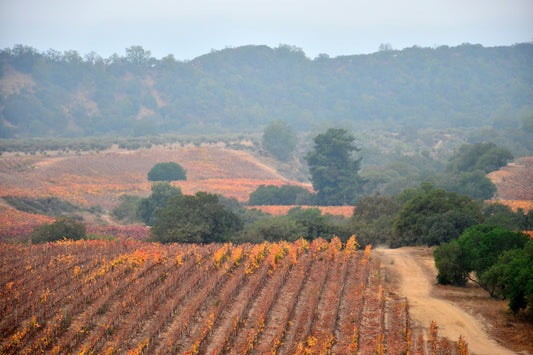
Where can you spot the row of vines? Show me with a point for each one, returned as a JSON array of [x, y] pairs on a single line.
[[130, 297]]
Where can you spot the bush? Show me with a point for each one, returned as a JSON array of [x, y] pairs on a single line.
[[477, 250], [512, 277], [58, 230], [273, 230], [126, 211], [285, 195], [167, 172], [147, 207], [195, 219]]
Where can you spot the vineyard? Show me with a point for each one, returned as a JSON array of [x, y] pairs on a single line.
[[133, 297], [514, 181]]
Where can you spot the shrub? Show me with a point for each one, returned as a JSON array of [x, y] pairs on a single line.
[[167, 172], [199, 218], [58, 230]]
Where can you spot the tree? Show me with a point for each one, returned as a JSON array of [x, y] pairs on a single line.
[[333, 168], [372, 219], [126, 211], [476, 250], [433, 216], [61, 228], [170, 171], [198, 218], [279, 139], [314, 223], [512, 277], [284, 195], [484, 156], [481, 246], [137, 55], [449, 262], [147, 207], [274, 229]]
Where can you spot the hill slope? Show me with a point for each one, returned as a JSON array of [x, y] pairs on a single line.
[[100, 178], [241, 89]]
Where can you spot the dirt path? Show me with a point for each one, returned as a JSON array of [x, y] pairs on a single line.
[[417, 274]]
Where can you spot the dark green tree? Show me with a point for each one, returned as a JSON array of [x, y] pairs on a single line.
[[62, 228], [512, 277], [476, 250], [481, 246], [198, 218], [279, 139], [147, 207], [334, 169], [284, 195], [170, 171], [273, 230], [314, 223], [484, 156], [433, 216], [372, 220], [449, 262], [503, 216]]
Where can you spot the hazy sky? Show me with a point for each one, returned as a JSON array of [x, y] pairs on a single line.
[[189, 28]]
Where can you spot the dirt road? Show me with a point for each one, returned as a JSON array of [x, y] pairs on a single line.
[[417, 273]]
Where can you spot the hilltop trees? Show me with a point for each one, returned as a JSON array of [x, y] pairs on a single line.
[[334, 169]]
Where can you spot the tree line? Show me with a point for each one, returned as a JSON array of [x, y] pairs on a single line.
[[242, 89]]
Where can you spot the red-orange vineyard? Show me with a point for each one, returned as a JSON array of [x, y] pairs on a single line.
[[131, 297]]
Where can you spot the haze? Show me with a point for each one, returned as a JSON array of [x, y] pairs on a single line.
[[188, 29]]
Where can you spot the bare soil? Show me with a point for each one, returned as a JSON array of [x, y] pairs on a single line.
[[468, 311]]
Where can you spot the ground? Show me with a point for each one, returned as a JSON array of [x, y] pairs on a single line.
[[468, 311]]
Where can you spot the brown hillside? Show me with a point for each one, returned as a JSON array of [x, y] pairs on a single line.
[[514, 181], [100, 178]]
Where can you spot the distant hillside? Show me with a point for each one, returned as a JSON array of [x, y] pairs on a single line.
[[100, 178], [242, 89], [514, 181]]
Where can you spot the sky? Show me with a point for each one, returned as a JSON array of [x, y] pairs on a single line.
[[190, 28]]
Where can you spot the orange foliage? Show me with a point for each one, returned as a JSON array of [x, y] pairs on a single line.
[[526, 205], [11, 218]]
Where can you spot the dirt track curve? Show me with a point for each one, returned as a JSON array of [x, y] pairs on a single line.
[[417, 274]]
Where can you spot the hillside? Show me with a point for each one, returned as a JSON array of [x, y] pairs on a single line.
[[241, 89], [100, 178], [515, 181]]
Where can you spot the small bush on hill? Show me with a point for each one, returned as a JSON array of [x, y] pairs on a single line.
[[284, 195], [126, 211], [58, 230], [170, 171], [49, 206]]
